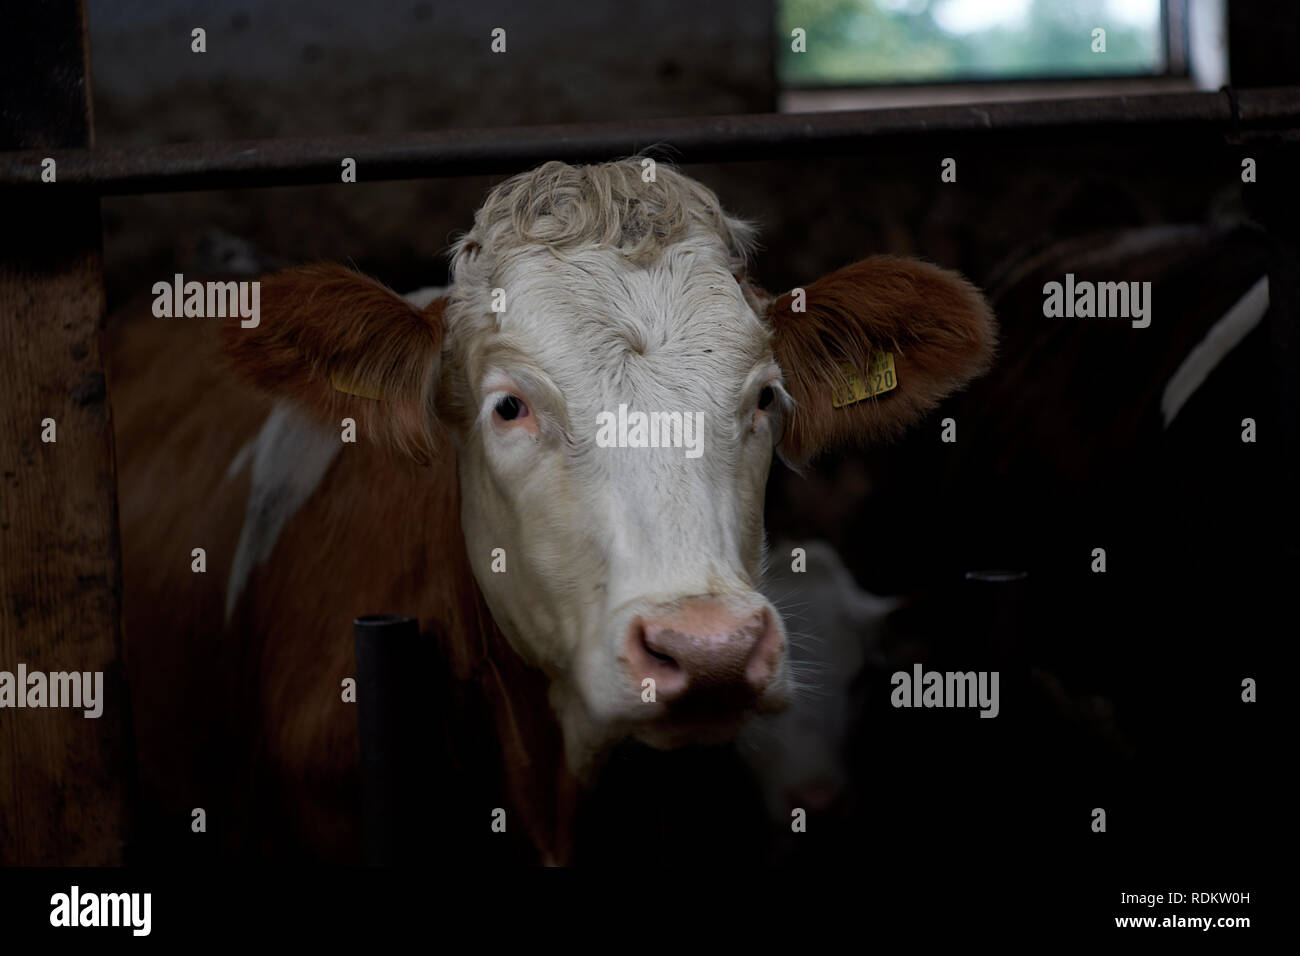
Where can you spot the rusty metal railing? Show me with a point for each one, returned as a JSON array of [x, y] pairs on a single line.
[[1272, 112]]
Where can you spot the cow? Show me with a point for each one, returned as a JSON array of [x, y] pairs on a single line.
[[590, 591], [835, 630]]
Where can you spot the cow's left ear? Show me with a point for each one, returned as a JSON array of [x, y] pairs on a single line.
[[342, 345], [876, 345]]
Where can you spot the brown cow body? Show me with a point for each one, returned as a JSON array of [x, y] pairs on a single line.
[[354, 553]]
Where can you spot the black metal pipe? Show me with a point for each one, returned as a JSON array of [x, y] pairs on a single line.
[[391, 666], [995, 607], [456, 152]]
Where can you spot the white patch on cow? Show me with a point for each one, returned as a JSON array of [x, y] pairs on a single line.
[[1224, 336], [241, 459], [422, 297], [289, 457]]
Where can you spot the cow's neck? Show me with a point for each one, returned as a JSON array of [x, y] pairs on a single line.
[[540, 787]]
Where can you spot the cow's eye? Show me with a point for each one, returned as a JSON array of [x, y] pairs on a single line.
[[765, 397], [510, 408]]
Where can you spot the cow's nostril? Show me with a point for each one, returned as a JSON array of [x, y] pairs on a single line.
[[664, 659], [657, 643], [647, 658]]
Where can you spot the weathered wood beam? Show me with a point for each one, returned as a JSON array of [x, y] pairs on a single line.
[[64, 777]]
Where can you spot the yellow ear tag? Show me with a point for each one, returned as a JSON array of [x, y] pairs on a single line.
[[880, 378], [342, 384]]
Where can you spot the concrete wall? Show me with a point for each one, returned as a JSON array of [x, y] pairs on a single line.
[[310, 68]]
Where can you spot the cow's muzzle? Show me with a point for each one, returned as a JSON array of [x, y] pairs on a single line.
[[708, 661]]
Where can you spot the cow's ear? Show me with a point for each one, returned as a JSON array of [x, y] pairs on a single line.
[[345, 346], [870, 348]]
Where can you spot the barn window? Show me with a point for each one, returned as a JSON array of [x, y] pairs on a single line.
[[863, 53]]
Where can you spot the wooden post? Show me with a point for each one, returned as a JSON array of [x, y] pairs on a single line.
[[64, 777]]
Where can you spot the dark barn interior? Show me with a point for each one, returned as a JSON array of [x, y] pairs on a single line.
[[1121, 690]]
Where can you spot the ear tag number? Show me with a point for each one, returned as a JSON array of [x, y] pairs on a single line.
[[880, 378]]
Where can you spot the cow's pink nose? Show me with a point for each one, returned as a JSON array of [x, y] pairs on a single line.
[[700, 646]]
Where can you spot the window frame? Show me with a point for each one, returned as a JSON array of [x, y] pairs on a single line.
[[1175, 57]]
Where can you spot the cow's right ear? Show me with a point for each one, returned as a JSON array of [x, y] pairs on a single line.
[[872, 347], [345, 346]]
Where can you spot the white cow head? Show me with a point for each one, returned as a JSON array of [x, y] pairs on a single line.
[[583, 299]]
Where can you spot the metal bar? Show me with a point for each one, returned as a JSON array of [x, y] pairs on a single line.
[[996, 601], [393, 668], [457, 152]]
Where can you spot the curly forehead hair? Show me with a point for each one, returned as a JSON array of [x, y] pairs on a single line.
[[563, 207]]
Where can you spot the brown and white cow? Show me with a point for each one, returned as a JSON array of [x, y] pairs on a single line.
[[560, 573]]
